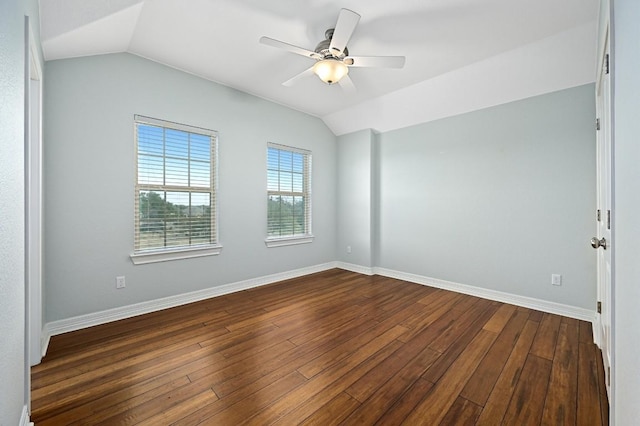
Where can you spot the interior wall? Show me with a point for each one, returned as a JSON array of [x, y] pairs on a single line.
[[355, 190], [499, 198], [89, 182], [626, 211], [14, 386], [12, 291]]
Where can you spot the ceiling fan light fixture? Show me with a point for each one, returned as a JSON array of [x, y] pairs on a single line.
[[330, 70]]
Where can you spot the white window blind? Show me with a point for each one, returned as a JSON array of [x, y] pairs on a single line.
[[288, 192], [175, 203]]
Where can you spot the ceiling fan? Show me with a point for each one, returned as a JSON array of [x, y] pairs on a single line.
[[332, 56]]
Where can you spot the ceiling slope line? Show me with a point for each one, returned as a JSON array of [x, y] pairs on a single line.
[[554, 63], [89, 38]]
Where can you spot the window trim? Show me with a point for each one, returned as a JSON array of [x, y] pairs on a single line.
[[162, 254], [308, 237], [288, 241]]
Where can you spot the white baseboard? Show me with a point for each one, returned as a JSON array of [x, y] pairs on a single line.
[[24, 417], [102, 317], [115, 314], [365, 270], [498, 296], [45, 337]]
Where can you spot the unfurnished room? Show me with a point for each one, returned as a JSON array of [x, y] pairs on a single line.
[[221, 212]]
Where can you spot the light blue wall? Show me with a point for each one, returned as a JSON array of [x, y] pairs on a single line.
[[89, 176], [14, 383], [499, 198], [626, 208], [12, 304], [355, 192]]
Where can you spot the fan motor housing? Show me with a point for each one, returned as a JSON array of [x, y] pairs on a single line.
[[323, 47]]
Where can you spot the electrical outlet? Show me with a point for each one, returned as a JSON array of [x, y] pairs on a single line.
[[120, 283], [348, 249], [556, 279]]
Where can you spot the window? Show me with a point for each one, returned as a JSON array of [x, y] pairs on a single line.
[[175, 199], [288, 196]]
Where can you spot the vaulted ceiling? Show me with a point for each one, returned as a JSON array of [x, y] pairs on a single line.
[[460, 54]]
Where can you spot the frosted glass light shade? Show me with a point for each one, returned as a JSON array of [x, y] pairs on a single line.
[[330, 70]]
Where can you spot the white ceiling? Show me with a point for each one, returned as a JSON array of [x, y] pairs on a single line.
[[460, 54]]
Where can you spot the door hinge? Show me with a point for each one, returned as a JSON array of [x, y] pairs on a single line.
[[597, 124], [599, 307], [606, 63], [598, 215], [608, 219]]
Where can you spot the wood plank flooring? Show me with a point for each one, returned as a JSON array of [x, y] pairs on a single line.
[[330, 348]]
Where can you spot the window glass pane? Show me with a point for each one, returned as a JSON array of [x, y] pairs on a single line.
[[200, 174], [150, 140], [200, 147], [200, 204], [286, 181], [286, 215], [286, 159], [151, 219], [298, 162], [176, 218], [200, 230], [177, 206], [150, 170], [272, 158], [297, 182], [272, 180], [176, 172], [298, 215], [151, 206], [273, 222], [176, 143]]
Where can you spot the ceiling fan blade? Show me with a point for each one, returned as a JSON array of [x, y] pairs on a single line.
[[347, 84], [375, 61], [290, 47], [306, 73], [347, 21]]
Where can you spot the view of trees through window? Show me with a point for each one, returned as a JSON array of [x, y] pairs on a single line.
[[288, 189], [286, 215], [171, 224], [175, 189]]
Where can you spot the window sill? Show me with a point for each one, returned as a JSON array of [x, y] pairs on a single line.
[[174, 254], [288, 241]]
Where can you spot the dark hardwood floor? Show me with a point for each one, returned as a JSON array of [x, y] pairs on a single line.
[[330, 348]]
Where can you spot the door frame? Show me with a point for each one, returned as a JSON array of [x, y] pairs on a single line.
[[33, 198]]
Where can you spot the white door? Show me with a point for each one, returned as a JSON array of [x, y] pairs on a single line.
[[602, 241]]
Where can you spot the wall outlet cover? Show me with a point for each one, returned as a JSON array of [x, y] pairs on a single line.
[[120, 282]]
